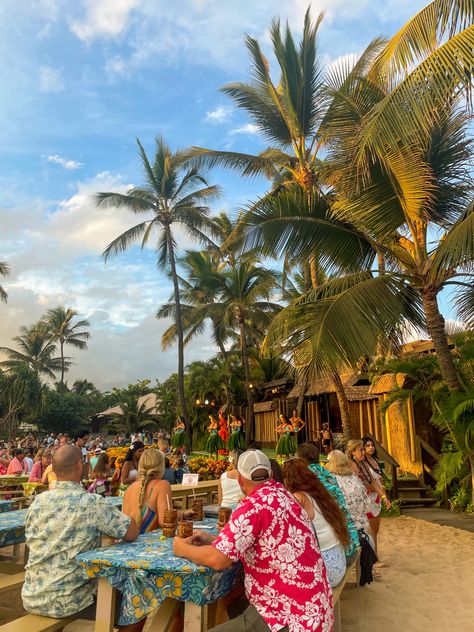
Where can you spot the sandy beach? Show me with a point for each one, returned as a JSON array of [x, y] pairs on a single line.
[[426, 586]]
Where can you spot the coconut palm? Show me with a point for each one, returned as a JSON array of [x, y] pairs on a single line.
[[395, 199], [59, 322], [135, 414], [171, 198], [4, 271], [37, 350]]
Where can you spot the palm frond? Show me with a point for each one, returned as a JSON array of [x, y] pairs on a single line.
[[420, 101], [456, 249], [246, 165], [421, 35], [137, 203], [123, 241]]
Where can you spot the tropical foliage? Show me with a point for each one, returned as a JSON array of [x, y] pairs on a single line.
[[171, 198]]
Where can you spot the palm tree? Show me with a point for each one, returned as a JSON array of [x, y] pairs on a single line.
[[245, 304], [36, 350], [4, 271], [135, 415], [398, 164], [171, 198], [84, 387], [58, 321]]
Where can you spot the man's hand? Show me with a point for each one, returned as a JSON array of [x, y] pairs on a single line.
[[201, 538]]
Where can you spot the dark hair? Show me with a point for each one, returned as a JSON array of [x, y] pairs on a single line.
[[254, 445], [167, 462], [277, 471], [299, 478], [19, 451], [136, 445], [365, 440], [81, 434], [309, 452]]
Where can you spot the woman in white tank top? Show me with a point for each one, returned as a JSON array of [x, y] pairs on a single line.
[[229, 493], [328, 521]]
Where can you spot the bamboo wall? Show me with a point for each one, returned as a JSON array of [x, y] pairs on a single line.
[[400, 438], [265, 423]]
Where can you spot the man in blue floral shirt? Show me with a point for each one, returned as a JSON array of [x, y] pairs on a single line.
[[310, 453], [60, 524]]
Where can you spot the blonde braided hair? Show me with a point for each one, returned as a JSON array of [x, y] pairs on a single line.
[[151, 462]]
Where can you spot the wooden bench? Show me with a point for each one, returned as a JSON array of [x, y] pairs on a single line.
[[337, 591], [8, 582], [207, 490], [35, 623]]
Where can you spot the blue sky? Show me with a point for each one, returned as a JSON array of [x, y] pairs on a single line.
[[80, 80]]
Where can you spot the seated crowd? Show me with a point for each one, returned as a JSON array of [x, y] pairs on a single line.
[[294, 529]]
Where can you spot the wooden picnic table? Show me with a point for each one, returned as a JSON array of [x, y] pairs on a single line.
[[12, 485], [150, 576]]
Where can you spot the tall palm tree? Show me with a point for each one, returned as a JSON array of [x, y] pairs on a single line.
[[36, 350], [397, 162], [172, 199], [59, 322], [4, 270], [246, 304], [134, 415]]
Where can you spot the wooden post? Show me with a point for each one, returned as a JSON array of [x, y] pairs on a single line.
[[378, 435], [369, 415], [361, 418], [387, 428], [411, 428], [318, 419], [106, 596]]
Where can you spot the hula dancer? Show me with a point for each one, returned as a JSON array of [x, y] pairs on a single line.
[[179, 438], [214, 442], [297, 423], [236, 439], [223, 428], [286, 445]]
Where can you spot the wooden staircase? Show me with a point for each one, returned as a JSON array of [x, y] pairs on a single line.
[[414, 493]]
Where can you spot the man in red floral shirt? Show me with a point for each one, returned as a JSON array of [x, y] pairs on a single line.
[[285, 577]]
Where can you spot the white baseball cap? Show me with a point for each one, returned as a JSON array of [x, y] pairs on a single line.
[[253, 461]]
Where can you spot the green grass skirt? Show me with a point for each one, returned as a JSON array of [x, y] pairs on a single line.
[[286, 445], [214, 443], [179, 440], [236, 441]]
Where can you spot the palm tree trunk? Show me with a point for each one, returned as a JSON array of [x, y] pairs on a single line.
[[227, 371], [62, 361], [471, 462], [249, 430], [437, 333], [343, 407], [179, 330], [314, 269]]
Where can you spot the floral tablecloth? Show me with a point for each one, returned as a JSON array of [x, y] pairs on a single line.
[[6, 505], [12, 527], [146, 572]]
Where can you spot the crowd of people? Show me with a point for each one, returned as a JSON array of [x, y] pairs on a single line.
[[294, 527]]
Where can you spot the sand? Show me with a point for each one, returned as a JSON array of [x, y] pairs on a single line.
[[428, 585]]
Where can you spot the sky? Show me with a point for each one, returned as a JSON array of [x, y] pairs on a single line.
[[80, 80]]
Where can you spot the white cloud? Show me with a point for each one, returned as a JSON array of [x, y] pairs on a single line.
[[103, 18], [220, 114], [248, 128], [116, 66], [50, 79], [64, 162]]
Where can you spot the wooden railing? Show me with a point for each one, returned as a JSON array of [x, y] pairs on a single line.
[[387, 458], [428, 458], [207, 490]]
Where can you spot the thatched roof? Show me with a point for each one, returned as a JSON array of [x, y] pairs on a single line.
[[149, 400], [326, 385], [386, 383], [263, 407]]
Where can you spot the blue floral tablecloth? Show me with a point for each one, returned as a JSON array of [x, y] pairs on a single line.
[[147, 571], [12, 527], [6, 505]]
